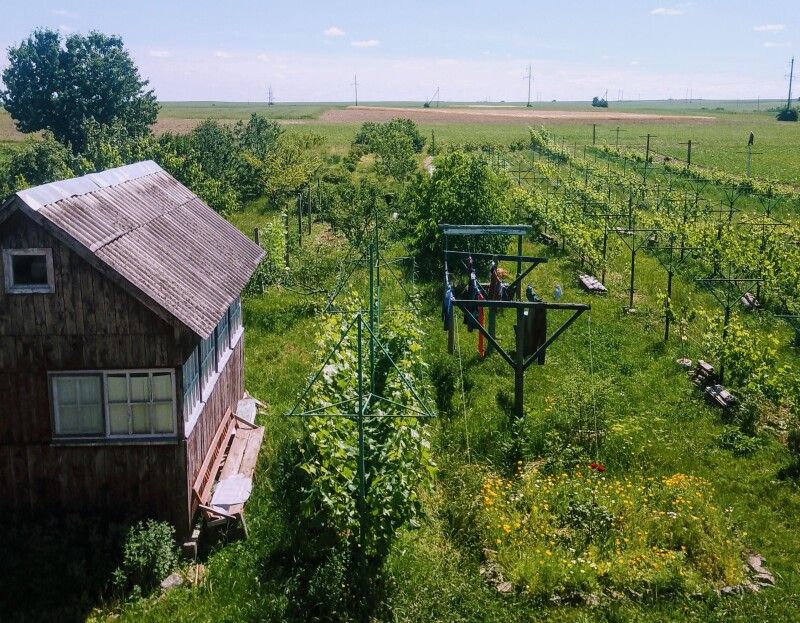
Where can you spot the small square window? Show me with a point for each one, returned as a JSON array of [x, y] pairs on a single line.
[[28, 271]]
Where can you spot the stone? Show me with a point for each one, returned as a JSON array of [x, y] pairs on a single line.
[[764, 579], [504, 587], [171, 581], [756, 563]]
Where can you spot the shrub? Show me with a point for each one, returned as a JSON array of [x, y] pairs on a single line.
[[40, 162], [787, 114], [369, 133], [149, 554], [738, 442]]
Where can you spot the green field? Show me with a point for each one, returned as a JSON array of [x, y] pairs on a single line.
[[721, 144]]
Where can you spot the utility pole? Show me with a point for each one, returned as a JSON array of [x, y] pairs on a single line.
[[529, 76], [270, 101], [355, 86], [791, 75]]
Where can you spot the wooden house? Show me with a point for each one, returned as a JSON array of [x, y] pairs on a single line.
[[121, 351]]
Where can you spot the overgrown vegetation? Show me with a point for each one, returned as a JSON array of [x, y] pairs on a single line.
[[587, 534]]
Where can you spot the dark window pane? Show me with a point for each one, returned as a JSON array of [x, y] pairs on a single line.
[[29, 270]]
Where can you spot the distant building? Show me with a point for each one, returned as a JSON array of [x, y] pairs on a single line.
[[121, 349]]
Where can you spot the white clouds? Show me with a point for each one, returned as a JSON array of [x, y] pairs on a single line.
[[666, 11], [776, 44], [770, 28], [333, 31], [159, 53], [222, 54], [366, 43], [63, 13]]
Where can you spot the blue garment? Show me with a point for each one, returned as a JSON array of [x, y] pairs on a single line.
[[447, 307], [472, 294]]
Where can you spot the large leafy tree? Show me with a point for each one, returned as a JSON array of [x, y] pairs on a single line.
[[59, 86]]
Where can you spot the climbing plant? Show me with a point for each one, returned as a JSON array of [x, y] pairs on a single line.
[[398, 460]]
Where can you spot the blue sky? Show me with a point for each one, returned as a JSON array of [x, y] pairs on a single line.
[[309, 51]]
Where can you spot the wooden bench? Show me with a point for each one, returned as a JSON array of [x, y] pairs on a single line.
[[591, 284], [225, 480]]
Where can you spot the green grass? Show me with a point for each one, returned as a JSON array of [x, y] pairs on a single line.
[[657, 425]]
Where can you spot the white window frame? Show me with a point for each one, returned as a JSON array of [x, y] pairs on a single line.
[[8, 271], [224, 346], [54, 404], [197, 392], [235, 327], [207, 386], [150, 402], [106, 436]]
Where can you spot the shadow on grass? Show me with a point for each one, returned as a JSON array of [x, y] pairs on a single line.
[[57, 569]]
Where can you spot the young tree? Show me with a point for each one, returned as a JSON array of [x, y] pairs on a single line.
[[462, 190], [59, 86]]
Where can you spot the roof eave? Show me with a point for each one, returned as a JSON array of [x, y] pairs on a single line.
[[8, 208]]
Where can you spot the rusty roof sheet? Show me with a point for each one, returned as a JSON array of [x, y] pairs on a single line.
[[156, 235]]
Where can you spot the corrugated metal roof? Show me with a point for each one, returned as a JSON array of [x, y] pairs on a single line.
[[157, 235]]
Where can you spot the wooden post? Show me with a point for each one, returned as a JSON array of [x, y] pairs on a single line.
[[492, 329], [286, 238], [519, 266], [519, 361], [300, 218], [669, 302], [451, 330], [257, 236]]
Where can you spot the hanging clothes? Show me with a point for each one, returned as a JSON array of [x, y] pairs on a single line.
[[495, 285], [447, 307], [481, 345], [535, 331], [498, 289], [472, 293], [535, 326]]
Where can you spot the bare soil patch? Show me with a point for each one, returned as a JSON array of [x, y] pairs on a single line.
[[499, 114]]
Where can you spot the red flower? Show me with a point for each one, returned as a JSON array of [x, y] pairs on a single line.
[[598, 466]]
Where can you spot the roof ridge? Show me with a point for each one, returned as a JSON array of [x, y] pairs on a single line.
[[39, 196]]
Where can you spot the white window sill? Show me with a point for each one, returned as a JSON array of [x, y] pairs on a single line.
[[212, 383], [132, 440]]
